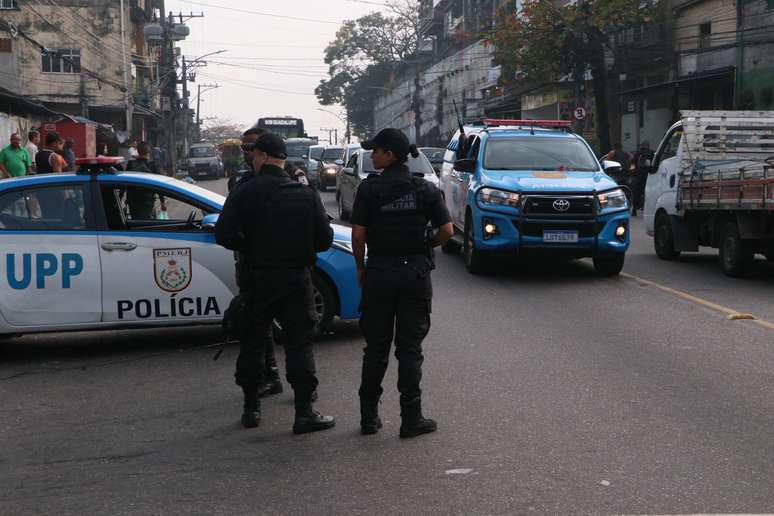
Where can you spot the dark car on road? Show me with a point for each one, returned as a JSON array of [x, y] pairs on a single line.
[[332, 158]]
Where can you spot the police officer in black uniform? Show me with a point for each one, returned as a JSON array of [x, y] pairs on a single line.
[[391, 215], [278, 225], [273, 384]]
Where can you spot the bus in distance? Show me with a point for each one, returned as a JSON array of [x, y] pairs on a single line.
[[287, 127]]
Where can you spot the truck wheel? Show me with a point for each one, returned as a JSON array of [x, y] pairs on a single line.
[[609, 265], [664, 241], [735, 255], [473, 258]]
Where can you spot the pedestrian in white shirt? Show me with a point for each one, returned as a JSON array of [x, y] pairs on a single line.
[[33, 139]]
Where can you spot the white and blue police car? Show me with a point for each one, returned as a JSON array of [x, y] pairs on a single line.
[[72, 257]]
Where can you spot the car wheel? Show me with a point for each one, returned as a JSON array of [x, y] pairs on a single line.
[[663, 240], [324, 302], [609, 265], [324, 305], [473, 258], [343, 213], [735, 255]]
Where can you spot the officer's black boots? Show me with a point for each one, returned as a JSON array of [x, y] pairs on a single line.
[[274, 385], [413, 424], [307, 420], [251, 417], [370, 422]]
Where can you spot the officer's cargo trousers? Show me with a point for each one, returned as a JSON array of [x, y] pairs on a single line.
[[287, 296], [396, 304]]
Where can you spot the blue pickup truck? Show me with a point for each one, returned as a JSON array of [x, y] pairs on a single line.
[[532, 187]]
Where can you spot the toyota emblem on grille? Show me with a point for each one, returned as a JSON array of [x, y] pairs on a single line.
[[561, 205]]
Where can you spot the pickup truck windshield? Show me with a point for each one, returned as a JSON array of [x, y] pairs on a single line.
[[333, 154], [202, 152], [536, 153]]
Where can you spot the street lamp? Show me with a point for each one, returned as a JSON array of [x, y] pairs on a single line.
[[345, 122]]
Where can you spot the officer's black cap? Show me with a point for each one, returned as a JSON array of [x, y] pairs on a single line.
[[390, 140], [273, 145]]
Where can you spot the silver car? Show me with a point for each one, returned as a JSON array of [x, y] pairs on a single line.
[[360, 167]]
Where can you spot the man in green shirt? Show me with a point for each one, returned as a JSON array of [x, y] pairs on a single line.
[[14, 160]]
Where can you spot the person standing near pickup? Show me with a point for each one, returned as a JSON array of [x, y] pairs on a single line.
[[390, 214]]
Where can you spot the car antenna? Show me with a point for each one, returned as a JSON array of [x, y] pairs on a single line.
[[461, 146]]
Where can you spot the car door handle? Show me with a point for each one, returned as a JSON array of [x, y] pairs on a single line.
[[119, 246]]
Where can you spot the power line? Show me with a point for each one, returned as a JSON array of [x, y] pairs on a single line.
[[257, 13]]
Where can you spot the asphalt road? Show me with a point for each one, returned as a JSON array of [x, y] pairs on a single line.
[[556, 392]]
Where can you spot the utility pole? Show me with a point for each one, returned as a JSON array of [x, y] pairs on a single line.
[[349, 134], [416, 105], [199, 101], [330, 135], [127, 92]]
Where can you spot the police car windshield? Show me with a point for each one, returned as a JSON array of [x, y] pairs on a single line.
[[202, 152], [418, 165], [333, 154], [536, 153]]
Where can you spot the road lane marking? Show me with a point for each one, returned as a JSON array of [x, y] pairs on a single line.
[[730, 313]]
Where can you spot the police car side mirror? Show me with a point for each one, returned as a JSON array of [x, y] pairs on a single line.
[[305, 156], [339, 162], [209, 221], [350, 171], [465, 165]]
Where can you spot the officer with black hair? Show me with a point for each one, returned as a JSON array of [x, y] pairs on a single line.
[[391, 215], [273, 384], [278, 225]]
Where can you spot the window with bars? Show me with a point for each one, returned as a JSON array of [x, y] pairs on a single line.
[[61, 60], [9, 4]]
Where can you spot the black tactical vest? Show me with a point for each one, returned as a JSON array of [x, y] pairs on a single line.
[[397, 214], [285, 233]]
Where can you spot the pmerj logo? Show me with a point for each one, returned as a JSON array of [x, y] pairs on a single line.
[[172, 269], [561, 205]]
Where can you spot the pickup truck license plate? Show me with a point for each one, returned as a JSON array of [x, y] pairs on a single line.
[[561, 237]]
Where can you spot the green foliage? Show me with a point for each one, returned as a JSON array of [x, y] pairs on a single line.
[[545, 41], [360, 58]]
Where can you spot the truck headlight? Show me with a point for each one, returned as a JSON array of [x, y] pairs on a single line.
[[499, 197], [612, 199]]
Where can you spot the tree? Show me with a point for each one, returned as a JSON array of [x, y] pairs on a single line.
[[545, 42], [361, 57], [220, 129]]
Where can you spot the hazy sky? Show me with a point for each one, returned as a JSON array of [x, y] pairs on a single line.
[[271, 64]]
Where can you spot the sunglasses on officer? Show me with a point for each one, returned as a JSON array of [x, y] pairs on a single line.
[[248, 147]]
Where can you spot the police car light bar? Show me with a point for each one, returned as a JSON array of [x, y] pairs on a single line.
[[494, 122], [98, 164]]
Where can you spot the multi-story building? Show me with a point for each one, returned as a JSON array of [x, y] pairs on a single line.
[[86, 58]]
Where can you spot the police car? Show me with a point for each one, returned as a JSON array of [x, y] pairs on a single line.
[[533, 186], [74, 258]]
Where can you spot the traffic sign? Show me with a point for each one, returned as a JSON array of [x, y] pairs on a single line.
[[580, 113]]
